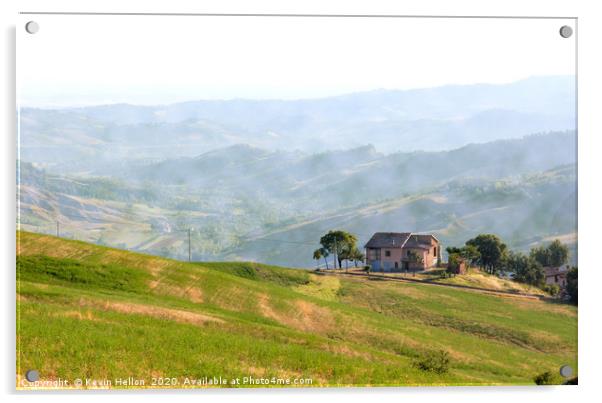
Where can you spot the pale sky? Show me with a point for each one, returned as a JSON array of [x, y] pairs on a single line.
[[86, 60]]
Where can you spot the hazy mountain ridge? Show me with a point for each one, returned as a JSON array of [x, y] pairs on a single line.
[[360, 173], [523, 211], [240, 198], [430, 119]]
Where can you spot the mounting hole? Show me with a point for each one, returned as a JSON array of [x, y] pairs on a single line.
[[32, 375], [566, 371], [32, 27], [566, 31]]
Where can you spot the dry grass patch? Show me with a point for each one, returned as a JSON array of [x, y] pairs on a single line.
[[348, 351], [538, 305], [176, 315], [323, 287], [230, 298], [85, 315], [476, 278], [300, 315], [192, 293]]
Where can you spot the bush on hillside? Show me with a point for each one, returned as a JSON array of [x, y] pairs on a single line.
[[434, 361], [548, 378], [552, 289]]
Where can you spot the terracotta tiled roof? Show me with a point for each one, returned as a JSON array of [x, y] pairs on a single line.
[[388, 240], [554, 271], [419, 242]]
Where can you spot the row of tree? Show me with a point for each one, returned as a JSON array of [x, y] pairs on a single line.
[[342, 245], [492, 255]]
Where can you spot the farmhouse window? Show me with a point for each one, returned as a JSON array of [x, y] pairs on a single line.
[[387, 253]]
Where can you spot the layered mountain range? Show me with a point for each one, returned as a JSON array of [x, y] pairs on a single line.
[[263, 179]]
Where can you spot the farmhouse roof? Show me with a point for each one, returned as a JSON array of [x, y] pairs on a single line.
[[554, 271], [388, 240], [419, 241]]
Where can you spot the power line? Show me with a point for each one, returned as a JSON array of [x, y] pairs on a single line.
[[282, 241]]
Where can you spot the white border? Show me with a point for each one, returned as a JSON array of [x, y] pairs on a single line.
[[590, 152]]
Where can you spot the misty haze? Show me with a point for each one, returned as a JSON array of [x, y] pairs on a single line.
[[262, 180]]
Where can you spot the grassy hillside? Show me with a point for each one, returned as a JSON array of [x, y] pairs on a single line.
[[474, 278], [90, 311]]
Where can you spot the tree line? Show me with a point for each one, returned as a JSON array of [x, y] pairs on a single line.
[[342, 245], [492, 255]]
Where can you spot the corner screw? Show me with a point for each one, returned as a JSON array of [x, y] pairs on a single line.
[[566, 31]]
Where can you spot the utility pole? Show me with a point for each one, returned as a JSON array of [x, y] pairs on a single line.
[[57, 228], [335, 252], [189, 247]]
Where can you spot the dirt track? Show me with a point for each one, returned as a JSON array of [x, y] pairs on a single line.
[[384, 277]]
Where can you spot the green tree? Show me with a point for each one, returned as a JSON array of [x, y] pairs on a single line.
[[351, 252], [541, 254], [469, 253], [453, 261], [453, 250], [554, 255], [491, 251], [559, 253], [317, 256], [339, 243], [571, 284], [525, 268], [321, 253], [357, 256]]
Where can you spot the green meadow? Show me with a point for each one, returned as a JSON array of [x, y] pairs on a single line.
[[87, 311]]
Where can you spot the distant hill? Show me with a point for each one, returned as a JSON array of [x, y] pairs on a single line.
[[431, 119], [113, 312], [524, 211], [249, 203]]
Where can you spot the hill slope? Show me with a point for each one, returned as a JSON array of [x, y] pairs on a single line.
[[91, 311], [240, 199], [524, 211]]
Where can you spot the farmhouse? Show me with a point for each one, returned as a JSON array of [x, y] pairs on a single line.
[[402, 251], [556, 275]]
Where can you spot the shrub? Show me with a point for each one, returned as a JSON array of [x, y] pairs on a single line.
[[434, 361], [552, 289], [548, 378], [571, 286]]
